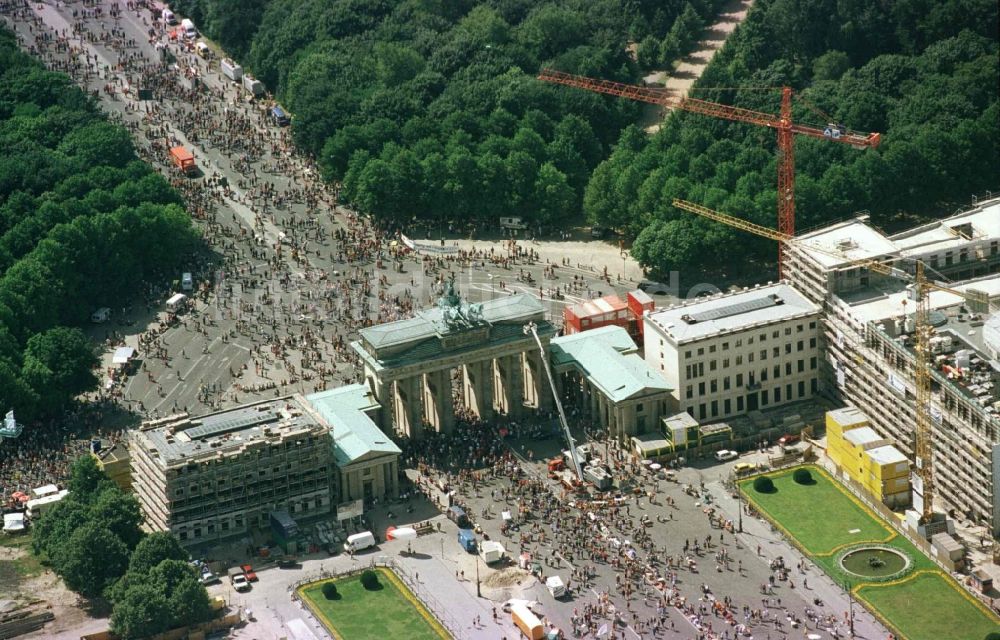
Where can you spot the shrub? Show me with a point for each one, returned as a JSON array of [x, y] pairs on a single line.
[[369, 580], [802, 476], [329, 590], [763, 484], [993, 635]]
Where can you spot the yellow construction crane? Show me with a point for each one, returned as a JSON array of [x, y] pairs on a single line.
[[923, 329]]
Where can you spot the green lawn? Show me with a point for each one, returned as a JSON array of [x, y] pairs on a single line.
[[928, 608], [833, 519], [359, 614], [823, 517]]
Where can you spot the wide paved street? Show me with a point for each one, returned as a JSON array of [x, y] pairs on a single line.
[[289, 279]]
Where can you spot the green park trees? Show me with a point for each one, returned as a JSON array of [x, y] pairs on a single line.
[[921, 73], [431, 110], [93, 541], [88, 536], [82, 222]]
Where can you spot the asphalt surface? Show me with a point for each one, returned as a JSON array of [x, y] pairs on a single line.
[[278, 269], [299, 293]]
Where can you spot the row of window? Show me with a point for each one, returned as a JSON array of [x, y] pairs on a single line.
[[713, 386], [697, 370], [752, 401], [799, 328], [183, 532], [963, 255], [249, 479]]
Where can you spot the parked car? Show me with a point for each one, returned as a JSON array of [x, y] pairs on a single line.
[[741, 468], [239, 579], [249, 572], [726, 454], [654, 288], [288, 562], [788, 439]]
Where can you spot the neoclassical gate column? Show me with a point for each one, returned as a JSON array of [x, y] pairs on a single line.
[[406, 407], [477, 388], [438, 408]]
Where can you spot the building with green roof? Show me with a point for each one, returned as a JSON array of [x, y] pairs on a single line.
[[366, 459], [609, 382]]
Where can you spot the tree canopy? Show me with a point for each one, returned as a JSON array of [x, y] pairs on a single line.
[[921, 73], [82, 222], [430, 110], [92, 539]]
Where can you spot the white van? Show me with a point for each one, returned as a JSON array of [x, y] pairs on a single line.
[[169, 17], [189, 30], [101, 315], [359, 541], [556, 586], [176, 302], [187, 281]]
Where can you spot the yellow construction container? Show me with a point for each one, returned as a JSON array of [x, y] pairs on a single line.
[[867, 458]]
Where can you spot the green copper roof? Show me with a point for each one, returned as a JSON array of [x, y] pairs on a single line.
[[355, 435], [450, 316], [610, 360], [451, 329]]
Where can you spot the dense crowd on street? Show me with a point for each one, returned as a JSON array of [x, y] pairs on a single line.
[[290, 275], [656, 590]]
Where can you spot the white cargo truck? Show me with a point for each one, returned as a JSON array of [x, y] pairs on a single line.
[[231, 70], [253, 85]]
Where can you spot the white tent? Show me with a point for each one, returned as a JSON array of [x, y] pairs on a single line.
[[13, 522], [44, 490], [122, 355]]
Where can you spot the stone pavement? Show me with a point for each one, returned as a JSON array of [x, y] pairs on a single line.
[[759, 532], [425, 571]]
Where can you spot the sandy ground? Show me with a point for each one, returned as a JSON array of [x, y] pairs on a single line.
[[47, 591], [691, 67], [584, 255]]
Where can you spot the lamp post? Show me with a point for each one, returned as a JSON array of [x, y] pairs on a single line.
[[479, 592], [739, 502]]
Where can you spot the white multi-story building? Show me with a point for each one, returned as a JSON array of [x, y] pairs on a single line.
[[212, 477], [729, 354], [868, 326]]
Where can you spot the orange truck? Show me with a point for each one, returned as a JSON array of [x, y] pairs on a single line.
[[183, 160], [527, 622]]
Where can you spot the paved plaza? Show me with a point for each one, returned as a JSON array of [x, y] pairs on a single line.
[[292, 278]]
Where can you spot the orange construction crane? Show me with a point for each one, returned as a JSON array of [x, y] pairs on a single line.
[[781, 123]]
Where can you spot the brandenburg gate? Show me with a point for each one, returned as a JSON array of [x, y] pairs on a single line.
[[474, 355]]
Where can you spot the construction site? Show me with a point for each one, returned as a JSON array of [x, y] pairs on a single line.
[[910, 334]]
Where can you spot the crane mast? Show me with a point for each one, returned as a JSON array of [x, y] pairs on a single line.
[[923, 429], [782, 123], [922, 383]]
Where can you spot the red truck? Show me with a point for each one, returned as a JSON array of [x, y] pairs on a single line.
[[183, 160]]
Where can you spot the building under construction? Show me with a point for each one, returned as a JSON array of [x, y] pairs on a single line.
[[869, 335]]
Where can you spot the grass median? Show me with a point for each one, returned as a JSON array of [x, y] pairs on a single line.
[[390, 611]]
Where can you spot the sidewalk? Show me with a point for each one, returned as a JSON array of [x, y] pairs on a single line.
[[758, 532]]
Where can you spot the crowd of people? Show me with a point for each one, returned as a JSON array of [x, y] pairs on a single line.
[[623, 572], [290, 275]]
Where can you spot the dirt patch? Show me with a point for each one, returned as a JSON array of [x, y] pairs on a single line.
[[504, 578], [26, 582]]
